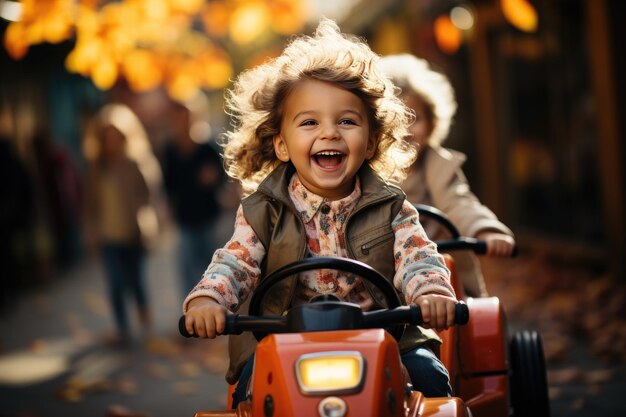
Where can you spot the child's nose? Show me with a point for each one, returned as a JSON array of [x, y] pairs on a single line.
[[329, 131]]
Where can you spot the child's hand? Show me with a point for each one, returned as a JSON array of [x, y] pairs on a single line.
[[498, 244], [437, 310], [205, 317]]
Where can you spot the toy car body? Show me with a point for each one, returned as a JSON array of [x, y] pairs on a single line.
[[329, 359]]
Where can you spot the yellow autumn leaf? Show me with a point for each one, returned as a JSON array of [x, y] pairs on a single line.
[[155, 11], [248, 21], [104, 72], [113, 14], [89, 3], [186, 6], [87, 21], [142, 70], [182, 83], [56, 27], [29, 10], [15, 40], [216, 18], [34, 32], [84, 55], [119, 41], [288, 16], [521, 14], [215, 70], [447, 35]]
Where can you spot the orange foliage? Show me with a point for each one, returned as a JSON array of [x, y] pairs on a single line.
[[248, 21], [15, 41], [521, 14], [447, 35], [143, 70], [151, 43], [216, 17], [287, 16], [41, 21]]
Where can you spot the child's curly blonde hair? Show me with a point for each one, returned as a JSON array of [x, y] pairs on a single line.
[[256, 103], [414, 75]]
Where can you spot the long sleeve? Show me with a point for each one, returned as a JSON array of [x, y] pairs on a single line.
[[234, 270], [420, 269], [450, 192]]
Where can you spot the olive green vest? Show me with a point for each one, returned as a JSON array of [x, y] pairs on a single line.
[[276, 222]]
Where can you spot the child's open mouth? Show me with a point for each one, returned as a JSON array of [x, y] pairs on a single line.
[[329, 159]]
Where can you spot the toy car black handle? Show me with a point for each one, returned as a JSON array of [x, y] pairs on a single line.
[[456, 242], [467, 243], [236, 324]]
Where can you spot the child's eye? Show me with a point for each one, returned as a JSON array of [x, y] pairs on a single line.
[[347, 122], [308, 123]]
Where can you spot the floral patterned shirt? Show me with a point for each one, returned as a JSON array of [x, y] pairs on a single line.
[[235, 269]]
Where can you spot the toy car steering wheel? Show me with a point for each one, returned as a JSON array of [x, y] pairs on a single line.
[[456, 241], [361, 269], [438, 216]]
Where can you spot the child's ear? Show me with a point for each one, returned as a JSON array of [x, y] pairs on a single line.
[[280, 148], [372, 145]]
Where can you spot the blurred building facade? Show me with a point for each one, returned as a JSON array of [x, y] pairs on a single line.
[[540, 115], [541, 110]]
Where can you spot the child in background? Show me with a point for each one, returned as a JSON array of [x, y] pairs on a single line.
[[318, 134], [117, 195], [436, 177]]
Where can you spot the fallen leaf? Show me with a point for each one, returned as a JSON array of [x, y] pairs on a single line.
[[554, 393], [578, 404], [221, 399], [186, 388], [216, 364], [594, 389], [127, 385], [599, 376], [189, 369], [121, 411], [555, 349], [562, 303], [564, 376], [158, 371], [162, 347], [38, 346], [70, 395]]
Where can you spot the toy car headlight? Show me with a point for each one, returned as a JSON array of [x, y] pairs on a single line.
[[330, 372]]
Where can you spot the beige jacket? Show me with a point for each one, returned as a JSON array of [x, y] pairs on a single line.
[[114, 196], [437, 180]]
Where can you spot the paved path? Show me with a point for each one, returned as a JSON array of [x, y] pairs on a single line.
[[555, 301], [53, 363]]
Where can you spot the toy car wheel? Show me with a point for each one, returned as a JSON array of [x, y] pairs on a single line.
[[529, 385]]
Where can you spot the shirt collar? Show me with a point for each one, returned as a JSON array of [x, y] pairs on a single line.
[[308, 203]]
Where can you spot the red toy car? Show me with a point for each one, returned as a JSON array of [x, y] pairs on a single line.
[[494, 374], [330, 359]]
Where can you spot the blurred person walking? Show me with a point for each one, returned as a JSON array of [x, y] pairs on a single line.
[[193, 176], [17, 213], [118, 214], [61, 190]]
